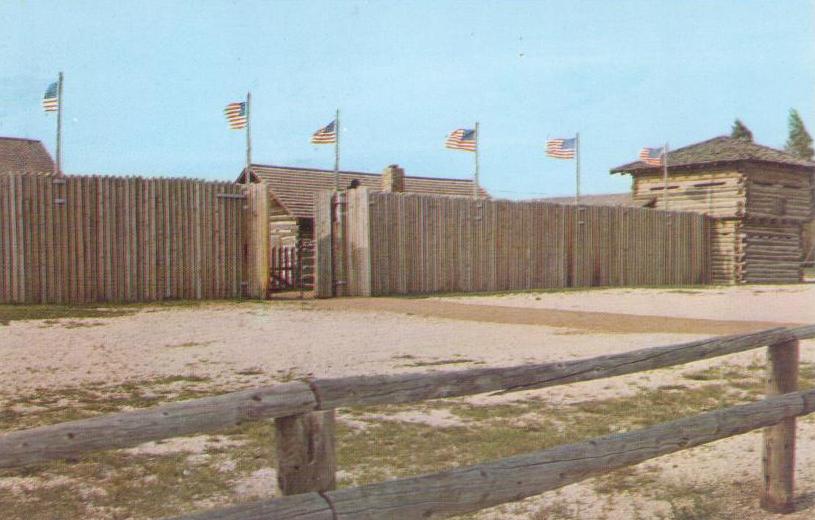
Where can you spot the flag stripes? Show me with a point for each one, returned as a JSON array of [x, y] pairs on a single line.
[[652, 156], [461, 139], [560, 148], [50, 101], [236, 115], [326, 134]]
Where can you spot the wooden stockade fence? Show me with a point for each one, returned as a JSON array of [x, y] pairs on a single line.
[[303, 413], [376, 243], [81, 239]]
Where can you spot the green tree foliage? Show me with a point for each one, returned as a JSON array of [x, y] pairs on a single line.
[[799, 142], [740, 131]]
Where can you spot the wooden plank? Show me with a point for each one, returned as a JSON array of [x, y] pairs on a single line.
[[778, 458], [472, 488], [130, 428], [306, 458], [175, 419], [323, 280]]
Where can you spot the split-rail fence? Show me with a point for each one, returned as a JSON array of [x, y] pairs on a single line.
[[377, 243], [83, 239], [305, 443]]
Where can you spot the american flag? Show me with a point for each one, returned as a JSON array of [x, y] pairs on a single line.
[[236, 115], [50, 101], [461, 139], [652, 156], [559, 148], [326, 134]]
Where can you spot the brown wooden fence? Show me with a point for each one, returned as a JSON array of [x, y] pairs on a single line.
[[304, 419], [122, 239], [404, 243]]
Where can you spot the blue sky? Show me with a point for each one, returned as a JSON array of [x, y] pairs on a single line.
[[146, 82]]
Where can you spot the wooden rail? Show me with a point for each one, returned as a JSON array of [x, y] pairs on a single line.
[[471, 488], [303, 413]]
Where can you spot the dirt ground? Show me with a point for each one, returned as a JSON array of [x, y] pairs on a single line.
[[62, 367]]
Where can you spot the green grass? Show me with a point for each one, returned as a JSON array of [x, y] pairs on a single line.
[[159, 485], [9, 313]]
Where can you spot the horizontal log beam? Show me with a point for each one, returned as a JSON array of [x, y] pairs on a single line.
[[128, 429], [122, 430], [472, 488]]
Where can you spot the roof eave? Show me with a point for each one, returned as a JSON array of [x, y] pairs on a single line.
[[709, 164]]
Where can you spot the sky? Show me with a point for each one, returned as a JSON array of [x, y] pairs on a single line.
[[146, 82]]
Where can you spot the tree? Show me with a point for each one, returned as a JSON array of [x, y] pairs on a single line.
[[740, 131], [799, 143]]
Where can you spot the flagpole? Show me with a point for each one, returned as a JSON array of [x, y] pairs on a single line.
[[337, 151], [248, 136], [665, 176], [577, 168], [475, 184], [59, 126]]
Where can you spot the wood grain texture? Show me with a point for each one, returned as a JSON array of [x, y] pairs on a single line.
[[127, 429], [471, 488], [85, 239], [405, 388], [778, 456], [401, 243], [306, 454], [208, 414]]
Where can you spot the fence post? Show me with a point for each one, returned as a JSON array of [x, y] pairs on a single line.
[[778, 458], [306, 458]]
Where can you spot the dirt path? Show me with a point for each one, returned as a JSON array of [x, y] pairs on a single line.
[[583, 320]]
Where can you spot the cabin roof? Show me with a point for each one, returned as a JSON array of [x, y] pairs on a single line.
[[604, 199], [720, 150], [18, 155], [294, 188]]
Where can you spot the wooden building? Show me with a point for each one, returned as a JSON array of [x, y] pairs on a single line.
[[291, 200], [759, 197], [18, 155]]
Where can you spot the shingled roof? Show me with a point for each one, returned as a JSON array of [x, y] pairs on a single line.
[[720, 150], [24, 156], [604, 199], [294, 188]]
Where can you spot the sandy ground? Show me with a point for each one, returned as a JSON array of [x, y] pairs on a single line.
[[277, 341], [765, 303]]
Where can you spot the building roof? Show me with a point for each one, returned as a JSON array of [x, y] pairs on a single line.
[[720, 150], [24, 156], [604, 199], [294, 188]]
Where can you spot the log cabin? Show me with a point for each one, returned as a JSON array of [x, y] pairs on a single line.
[[291, 199], [19, 155], [759, 199]]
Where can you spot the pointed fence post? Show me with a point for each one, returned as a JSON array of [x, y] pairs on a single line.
[[778, 458]]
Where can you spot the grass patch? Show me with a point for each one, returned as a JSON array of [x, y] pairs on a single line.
[[440, 362], [15, 312], [52, 313], [119, 485], [189, 344], [51, 406]]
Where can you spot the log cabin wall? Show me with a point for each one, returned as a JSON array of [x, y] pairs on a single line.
[[781, 195], [779, 203], [760, 197], [719, 193], [759, 209]]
